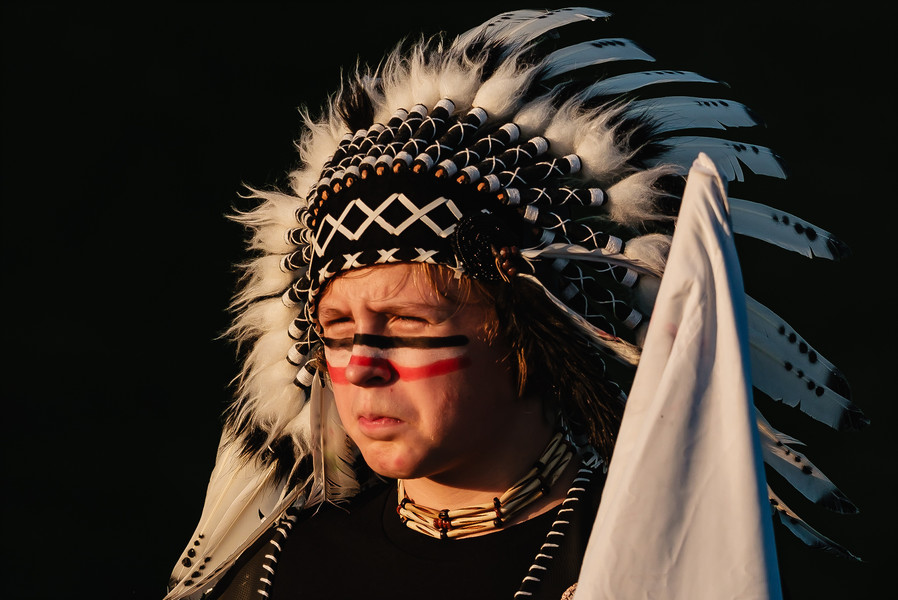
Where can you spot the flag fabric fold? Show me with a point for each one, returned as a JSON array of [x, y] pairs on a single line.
[[685, 514]]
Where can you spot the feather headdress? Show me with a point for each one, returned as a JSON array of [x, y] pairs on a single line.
[[568, 155]]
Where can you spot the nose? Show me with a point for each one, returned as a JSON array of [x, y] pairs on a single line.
[[369, 371]]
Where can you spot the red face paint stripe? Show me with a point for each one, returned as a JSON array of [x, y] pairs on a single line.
[[434, 369]]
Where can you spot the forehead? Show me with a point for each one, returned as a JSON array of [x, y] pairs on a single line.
[[400, 282]]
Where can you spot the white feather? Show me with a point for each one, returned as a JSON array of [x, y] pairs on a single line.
[[685, 112], [589, 136], [788, 369], [333, 454], [795, 467], [600, 255], [269, 220], [500, 95], [242, 501], [729, 156], [650, 250], [269, 399], [802, 530], [265, 278], [784, 230], [535, 116], [618, 348], [524, 26], [632, 200], [596, 52], [259, 316], [459, 84], [628, 82]]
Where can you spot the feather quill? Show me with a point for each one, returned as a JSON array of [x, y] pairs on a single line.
[[785, 230]]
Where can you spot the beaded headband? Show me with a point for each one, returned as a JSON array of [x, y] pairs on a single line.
[[447, 189]]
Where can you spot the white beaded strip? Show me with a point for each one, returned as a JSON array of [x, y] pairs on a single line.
[[547, 551], [283, 529]]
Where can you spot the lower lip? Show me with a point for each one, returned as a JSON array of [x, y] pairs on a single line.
[[379, 427]]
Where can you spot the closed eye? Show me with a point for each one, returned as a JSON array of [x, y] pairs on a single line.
[[410, 320], [335, 323]]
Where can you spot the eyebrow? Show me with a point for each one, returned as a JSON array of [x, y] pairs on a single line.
[[389, 341], [439, 311]]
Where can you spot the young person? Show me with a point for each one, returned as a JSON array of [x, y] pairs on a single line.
[[443, 319]]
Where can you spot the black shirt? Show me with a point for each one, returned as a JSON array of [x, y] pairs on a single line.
[[363, 550]]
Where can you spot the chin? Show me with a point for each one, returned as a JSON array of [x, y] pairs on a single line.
[[391, 465]]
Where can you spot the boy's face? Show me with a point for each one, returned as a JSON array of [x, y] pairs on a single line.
[[418, 386]]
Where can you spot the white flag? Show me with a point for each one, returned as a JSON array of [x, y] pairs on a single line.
[[684, 514]]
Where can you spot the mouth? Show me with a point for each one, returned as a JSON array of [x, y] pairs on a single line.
[[378, 426]]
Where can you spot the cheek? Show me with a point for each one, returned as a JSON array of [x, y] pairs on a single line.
[[336, 362], [435, 367], [343, 402]]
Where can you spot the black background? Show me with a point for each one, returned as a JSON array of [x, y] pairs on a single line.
[[127, 135]]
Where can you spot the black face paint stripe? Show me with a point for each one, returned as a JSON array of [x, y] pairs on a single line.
[[384, 342]]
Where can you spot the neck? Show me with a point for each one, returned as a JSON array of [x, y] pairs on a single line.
[[480, 478], [453, 490]]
